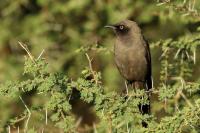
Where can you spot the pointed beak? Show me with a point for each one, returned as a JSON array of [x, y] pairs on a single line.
[[110, 26]]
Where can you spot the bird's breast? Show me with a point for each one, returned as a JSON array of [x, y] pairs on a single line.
[[131, 62]]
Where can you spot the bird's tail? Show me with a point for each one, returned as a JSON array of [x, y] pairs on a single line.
[[144, 108]]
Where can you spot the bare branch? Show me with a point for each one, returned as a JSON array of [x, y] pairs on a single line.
[[29, 114], [90, 66], [40, 54], [24, 46], [186, 99]]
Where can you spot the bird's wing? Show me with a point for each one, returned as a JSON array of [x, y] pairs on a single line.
[[148, 58]]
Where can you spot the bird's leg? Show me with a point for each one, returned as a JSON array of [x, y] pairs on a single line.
[[126, 85]]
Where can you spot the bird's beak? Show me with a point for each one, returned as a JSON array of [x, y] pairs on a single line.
[[110, 26]]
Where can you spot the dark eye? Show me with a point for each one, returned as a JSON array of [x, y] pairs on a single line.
[[121, 27]]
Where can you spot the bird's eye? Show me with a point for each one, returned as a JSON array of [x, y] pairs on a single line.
[[121, 27]]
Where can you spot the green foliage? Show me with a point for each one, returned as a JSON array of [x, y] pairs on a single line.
[[115, 112], [184, 120], [177, 61]]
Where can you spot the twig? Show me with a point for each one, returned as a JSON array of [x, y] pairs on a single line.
[[95, 128], [110, 124], [20, 119], [42, 130], [128, 131], [176, 98], [90, 66], [102, 113], [186, 99], [62, 114], [27, 51], [78, 122], [152, 82], [176, 55], [184, 9], [9, 129], [165, 100], [120, 124], [40, 54], [180, 92], [194, 56], [46, 116], [134, 94], [163, 54], [89, 61], [187, 54], [29, 113]]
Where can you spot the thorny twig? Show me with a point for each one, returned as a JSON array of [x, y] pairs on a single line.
[[91, 69], [24, 46], [185, 9], [29, 113], [40, 54], [20, 119], [180, 92], [186, 99]]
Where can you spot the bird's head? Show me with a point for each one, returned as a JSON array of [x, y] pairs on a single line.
[[124, 27]]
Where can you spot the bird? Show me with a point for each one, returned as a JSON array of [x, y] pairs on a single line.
[[132, 57]]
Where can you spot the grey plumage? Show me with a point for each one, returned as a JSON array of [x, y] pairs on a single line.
[[132, 56]]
